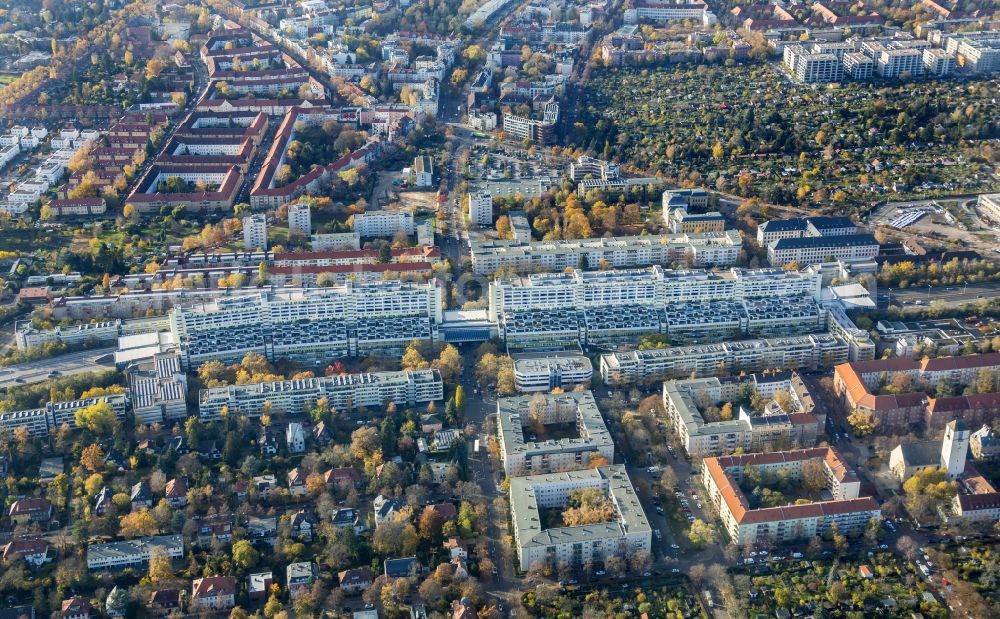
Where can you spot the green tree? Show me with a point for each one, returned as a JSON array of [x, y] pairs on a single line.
[[99, 418], [245, 555]]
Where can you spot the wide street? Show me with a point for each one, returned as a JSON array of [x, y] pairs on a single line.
[[81, 362], [950, 295]]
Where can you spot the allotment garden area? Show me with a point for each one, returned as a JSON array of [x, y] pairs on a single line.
[[754, 133]]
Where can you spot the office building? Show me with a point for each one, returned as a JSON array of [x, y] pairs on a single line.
[[694, 408], [697, 249], [539, 131], [344, 392], [548, 371], [806, 352], [481, 208], [521, 420], [629, 531], [313, 324], [255, 232], [300, 218], [584, 167], [748, 527]]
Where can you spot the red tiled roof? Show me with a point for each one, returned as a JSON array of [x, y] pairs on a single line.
[[213, 586]]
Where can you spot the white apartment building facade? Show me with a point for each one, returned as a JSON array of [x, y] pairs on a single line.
[[300, 218], [481, 208], [255, 232], [309, 324], [524, 454], [118, 555], [383, 223], [344, 392], [697, 249], [585, 545]]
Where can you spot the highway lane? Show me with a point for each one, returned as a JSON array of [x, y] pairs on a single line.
[[81, 362], [948, 294]]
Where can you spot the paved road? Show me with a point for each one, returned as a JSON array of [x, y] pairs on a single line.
[[72, 363], [949, 294]]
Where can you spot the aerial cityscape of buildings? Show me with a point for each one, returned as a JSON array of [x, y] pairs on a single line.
[[502, 308]]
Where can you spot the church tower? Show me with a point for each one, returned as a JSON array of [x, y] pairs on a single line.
[[954, 448]]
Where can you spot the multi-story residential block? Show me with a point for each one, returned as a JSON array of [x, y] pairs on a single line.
[[985, 443], [812, 67], [117, 555], [213, 593], [976, 52], [698, 249], [335, 241], [548, 371], [78, 207], [158, 389], [989, 206], [423, 170], [687, 402], [344, 392], [846, 510], [383, 223], [938, 62], [300, 218], [858, 385], [481, 208], [808, 352], [308, 324], [526, 454], [629, 532], [41, 421], [608, 308], [660, 10], [692, 200], [800, 227], [810, 249], [255, 232], [859, 66], [895, 63], [680, 221], [210, 188]]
